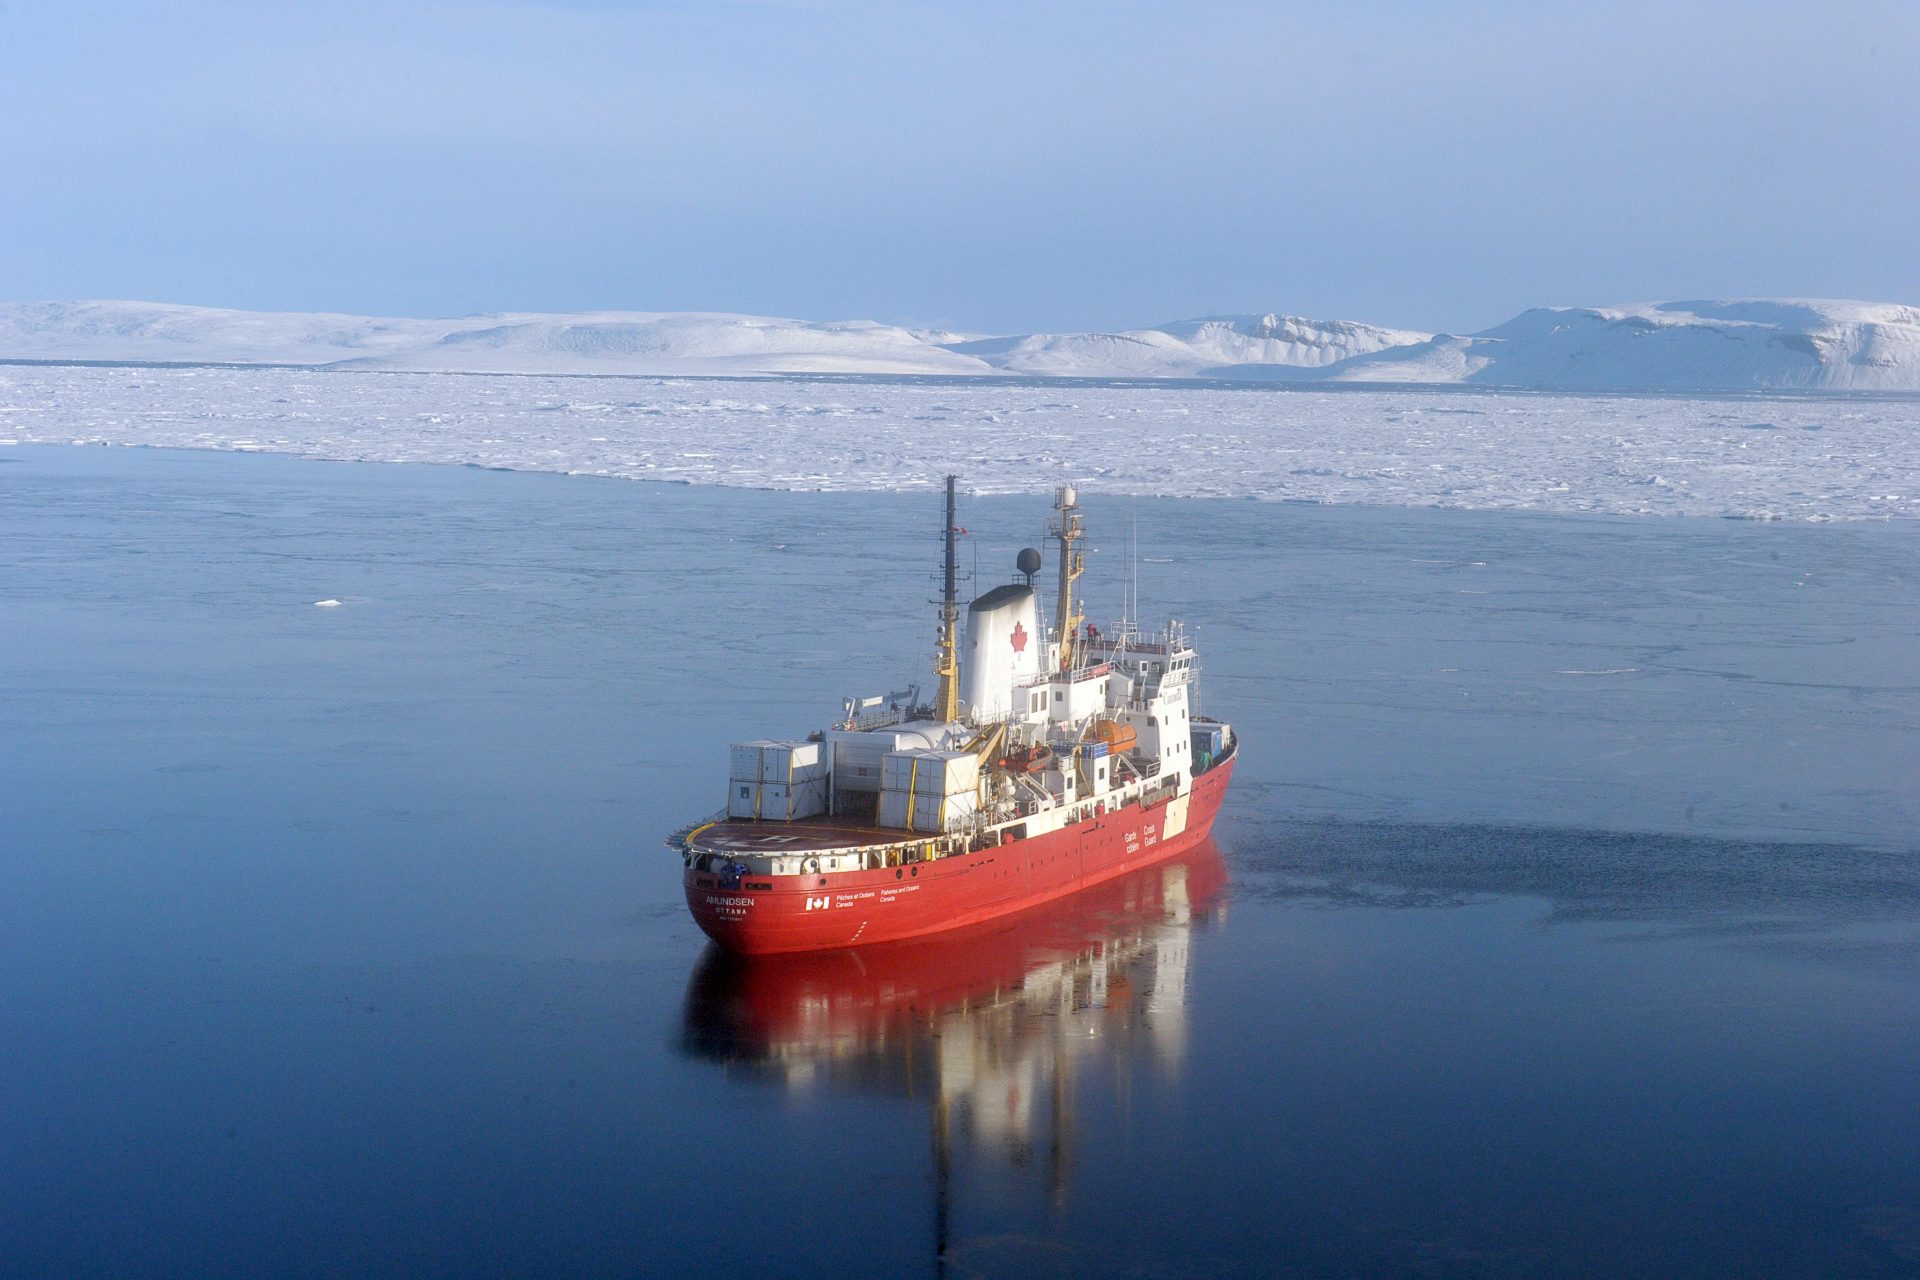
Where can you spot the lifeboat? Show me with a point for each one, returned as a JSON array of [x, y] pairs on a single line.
[[1117, 734], [1031, 759]]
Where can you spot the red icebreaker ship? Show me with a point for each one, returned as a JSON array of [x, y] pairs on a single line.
[[1050, 760]]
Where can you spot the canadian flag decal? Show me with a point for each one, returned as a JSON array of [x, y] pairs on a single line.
[[1019, 637]]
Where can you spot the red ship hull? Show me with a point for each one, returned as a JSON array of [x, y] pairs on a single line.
[[821, 1002], [855, 908]]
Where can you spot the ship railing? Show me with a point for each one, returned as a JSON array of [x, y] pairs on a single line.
[[876, 719], [680, 840], [1159, 793], [1179, 648], [1040, 795], [1077, 674], [1141, 772]]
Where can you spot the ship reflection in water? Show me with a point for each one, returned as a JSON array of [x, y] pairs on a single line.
[[990, 1026]]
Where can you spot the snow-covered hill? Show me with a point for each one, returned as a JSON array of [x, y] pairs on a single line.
[[1690, 346], [1787, 343], [197, 335], [675, 343], [681, 343], [1755, 344], [1210, 347]]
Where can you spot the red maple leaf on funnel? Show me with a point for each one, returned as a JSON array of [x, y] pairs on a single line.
[[1019, 637]]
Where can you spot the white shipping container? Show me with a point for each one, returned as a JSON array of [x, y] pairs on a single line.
[[743, 760], [857, 754], [787, 801], [769, 761], [943, 813], [896, 810], [776, 801], [930, 772], [924, 812], [962, 771], [792, 762]]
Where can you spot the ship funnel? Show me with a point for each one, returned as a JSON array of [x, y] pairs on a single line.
[[1003, 649]]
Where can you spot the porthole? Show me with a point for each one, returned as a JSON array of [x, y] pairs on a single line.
[[897, 873]]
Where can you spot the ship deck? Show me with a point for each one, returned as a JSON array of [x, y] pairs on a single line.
[[803, 835]]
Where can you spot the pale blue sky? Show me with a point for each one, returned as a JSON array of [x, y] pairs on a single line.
[[994, 166]]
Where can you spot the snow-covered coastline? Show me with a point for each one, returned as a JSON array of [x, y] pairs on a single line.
[[1705, 346], [1752, 456]]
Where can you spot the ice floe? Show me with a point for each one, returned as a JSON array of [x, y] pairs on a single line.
[[1826, 458]]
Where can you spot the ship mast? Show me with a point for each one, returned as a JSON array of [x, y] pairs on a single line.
[[946, 664], [1067, 529]]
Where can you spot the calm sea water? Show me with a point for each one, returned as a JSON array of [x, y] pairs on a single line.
[[1565, 918]]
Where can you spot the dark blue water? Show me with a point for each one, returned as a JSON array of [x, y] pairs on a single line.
[[1565, 917]]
